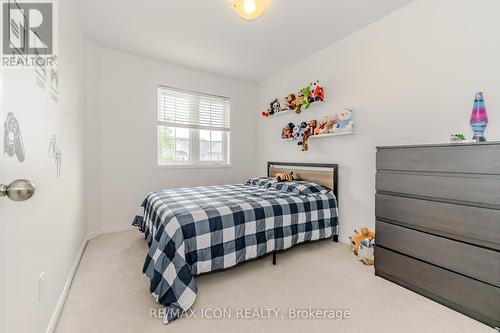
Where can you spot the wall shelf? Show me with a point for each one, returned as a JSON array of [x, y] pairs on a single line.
[[319, 136], [293, 111], [339, 133]]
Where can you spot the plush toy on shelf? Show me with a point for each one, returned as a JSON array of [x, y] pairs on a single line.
[[274, 107], [330, 124], [313, 124], [317, 93], [287, 131], [296, 132], [291, 104], [345, 121], [308, 131], [303, 99], [320, 128], [300, 135]]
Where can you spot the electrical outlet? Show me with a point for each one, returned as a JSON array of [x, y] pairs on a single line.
[[41, 286]]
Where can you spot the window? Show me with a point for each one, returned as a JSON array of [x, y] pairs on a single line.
[[193, 128]]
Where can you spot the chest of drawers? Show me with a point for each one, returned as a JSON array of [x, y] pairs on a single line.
[[438, 224]]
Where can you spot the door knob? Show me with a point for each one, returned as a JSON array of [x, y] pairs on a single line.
[[18, 190]]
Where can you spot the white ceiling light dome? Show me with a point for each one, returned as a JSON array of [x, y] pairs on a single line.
[[249, 9]]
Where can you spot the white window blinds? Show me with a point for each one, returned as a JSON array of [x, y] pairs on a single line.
[[187, 109]]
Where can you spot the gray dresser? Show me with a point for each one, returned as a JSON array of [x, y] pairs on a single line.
[[438, 224]]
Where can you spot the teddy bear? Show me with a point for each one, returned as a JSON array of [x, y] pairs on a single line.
[[330, 124], [358, 237]]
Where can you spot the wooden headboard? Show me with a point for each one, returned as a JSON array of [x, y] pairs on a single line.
[[322, 174]]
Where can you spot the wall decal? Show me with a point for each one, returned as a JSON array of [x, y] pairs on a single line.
[[12, 139], [41, 67], [54, 79], [55, 153]]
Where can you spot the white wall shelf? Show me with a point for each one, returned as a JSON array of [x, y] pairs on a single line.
[[319, 136], [293, 111]]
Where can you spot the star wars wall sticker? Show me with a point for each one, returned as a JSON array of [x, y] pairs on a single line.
[[12, 138], [54, 80], [55, 153]]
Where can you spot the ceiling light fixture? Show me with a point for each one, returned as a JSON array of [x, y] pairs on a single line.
[[249, 9]]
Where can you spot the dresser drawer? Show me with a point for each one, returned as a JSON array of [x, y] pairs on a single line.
[[476, 225], [481, 190], [484, 158], [471, 297], [472, 261]]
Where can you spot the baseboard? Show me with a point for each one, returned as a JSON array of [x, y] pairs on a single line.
[[62, 299], [109, 230]]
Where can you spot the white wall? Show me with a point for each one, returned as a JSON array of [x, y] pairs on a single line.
[[410, 78], [45, 233], [121, 133]]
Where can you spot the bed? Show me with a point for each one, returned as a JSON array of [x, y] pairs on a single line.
[[196, 230]]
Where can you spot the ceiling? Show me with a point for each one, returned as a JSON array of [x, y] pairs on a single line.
[[209, 36]]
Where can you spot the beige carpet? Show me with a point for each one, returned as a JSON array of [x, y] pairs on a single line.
[[110, 294]]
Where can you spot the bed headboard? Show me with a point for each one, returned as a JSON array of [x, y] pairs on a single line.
[[319, 173]]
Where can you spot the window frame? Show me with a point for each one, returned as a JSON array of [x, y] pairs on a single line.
[[194, 135]]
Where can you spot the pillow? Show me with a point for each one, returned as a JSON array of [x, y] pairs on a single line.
[[301, 187], [262, 181]]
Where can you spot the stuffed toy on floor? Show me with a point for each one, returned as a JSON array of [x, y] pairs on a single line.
[[362, 244]]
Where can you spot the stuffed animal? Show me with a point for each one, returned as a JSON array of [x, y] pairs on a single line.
[[284, 177], [275, 107], [308, 131], [345, 119], [304, 97], [296, 132], [330, 124], [291, 104], [297, 105], [300, 135], [287, 131], [312, 125], [305, 140], [316, 92], [366, 252], [318, 130], [357, 238]]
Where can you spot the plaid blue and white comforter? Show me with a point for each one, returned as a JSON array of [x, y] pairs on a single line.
[[202, 229]]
